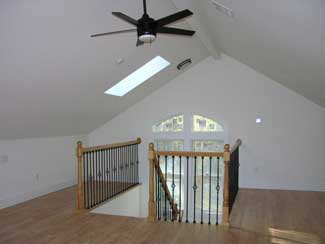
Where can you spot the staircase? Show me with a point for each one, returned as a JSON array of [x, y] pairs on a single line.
[[193, 186]]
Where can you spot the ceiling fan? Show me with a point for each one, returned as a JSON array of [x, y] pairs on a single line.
[[147, 28]]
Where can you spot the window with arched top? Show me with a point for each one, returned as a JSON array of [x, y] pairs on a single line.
[[204, 124], [172, 124], [191, 132]]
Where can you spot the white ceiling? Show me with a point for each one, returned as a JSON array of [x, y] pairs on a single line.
[[53, 75], [283, 39]]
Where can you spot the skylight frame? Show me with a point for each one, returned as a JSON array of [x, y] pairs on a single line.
[[138, 77]]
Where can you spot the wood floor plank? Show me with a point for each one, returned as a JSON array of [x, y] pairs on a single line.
[[52, 219], [293, 215]]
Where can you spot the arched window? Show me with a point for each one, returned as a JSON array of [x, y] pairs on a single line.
[[204, 124], [191, 132], [173, 124]]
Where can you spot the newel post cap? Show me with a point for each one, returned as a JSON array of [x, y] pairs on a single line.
[[151, 151]]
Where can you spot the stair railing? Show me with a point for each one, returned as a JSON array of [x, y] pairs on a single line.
[[105, 171], [156, 177]]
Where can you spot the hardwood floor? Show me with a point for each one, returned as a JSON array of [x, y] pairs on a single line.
[[53, 219], [293, 215]]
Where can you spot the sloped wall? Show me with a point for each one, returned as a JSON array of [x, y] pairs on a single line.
[[284, 152], [36, 166]]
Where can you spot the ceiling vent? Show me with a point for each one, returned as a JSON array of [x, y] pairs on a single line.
[[223, 9], [184, 64]]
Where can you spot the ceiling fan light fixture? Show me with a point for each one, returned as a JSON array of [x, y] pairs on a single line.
[[147, 38]]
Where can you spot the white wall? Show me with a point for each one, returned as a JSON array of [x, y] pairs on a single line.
[[34, 167], [284, 152], [125, 204]]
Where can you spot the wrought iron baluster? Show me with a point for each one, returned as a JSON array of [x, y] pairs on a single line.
[[101, 174], [165, 189], [210, 159], [91, 178], [84, 177], [180, 189], [194, 189], [87, 185], [159, 191], [114, 171], [202, 189], [187, 175], [156, 190], [173, 181], [218, 189]]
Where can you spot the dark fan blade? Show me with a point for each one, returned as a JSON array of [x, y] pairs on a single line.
[[139, 43], [125, 17], [169, 30], [113, 32], [174, 17]]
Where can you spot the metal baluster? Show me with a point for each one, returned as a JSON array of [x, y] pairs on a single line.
[[210, 190], [94, 178], [218, 189], [87, 170], [156, 189], [165, 189], [101, 175], [194, 189], [137, 166], [98, 177], [127, 166], [129, 182], [84, 177], [180, 189], [202, 189], [110, 172], [173, 181], [91, 178], [119, 158], [187, 169], [114, 171], [107, 172], [122, 167], [159, 192], [131, 166]]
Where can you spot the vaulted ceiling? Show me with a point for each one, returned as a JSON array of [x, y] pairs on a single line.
[[283, 39], [53, 75]]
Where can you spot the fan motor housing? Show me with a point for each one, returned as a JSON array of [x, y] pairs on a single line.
[[146, 29]]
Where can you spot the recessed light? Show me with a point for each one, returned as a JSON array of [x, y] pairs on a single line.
[[258, 120], [139, 76]]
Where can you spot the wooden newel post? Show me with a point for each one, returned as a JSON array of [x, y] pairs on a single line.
[[225, 209], [79, 186], [151, 204]]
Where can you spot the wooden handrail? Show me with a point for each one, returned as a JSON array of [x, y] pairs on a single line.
[[236, 145], [110, 146], [188, 154]]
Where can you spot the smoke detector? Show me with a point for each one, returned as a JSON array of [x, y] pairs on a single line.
[[223, 9]]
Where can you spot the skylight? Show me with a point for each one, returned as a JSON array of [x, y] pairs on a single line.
[[139, 76]]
